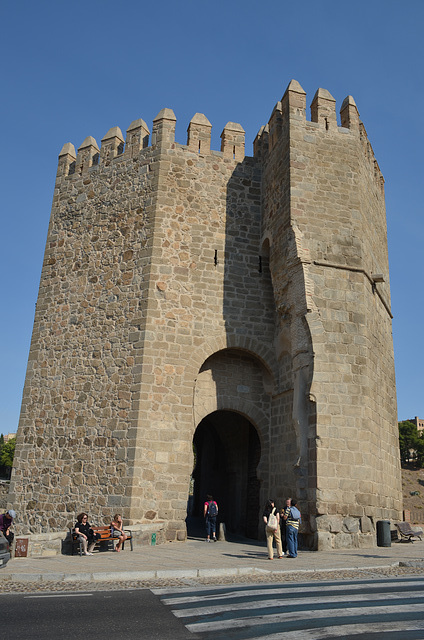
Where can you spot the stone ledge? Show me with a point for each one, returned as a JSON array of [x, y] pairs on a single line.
[[42, 545]]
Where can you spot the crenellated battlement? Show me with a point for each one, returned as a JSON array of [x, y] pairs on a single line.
[[113, 145], [292, 109]]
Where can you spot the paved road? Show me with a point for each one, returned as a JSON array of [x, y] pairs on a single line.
[[387, 609], [128, 615]]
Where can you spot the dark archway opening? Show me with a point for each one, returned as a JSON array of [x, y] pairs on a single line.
[[227, 452]]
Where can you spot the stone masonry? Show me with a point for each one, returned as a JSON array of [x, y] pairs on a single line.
[[191, 295]]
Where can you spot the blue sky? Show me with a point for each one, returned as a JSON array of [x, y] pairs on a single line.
[[73, 69]]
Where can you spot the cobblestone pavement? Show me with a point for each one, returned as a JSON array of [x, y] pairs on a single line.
[[194, 563], [13, 587]]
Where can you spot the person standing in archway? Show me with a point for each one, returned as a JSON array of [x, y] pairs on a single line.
[[283, 527], [210, 511], [271, 518]]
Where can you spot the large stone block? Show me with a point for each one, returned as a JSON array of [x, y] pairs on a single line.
[[325, 541], [345, 541], [333, 524], [350, 525]]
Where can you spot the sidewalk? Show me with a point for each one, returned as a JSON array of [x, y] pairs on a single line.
[[195, 559]]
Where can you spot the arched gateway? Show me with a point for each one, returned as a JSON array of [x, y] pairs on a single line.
[[227, 453], [240, 303], [232, 402]]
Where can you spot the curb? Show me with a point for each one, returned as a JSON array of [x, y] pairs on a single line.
[[165, 574], [412, 563], [121, 576]]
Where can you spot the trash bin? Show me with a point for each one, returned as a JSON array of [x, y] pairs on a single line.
[[384, 538]]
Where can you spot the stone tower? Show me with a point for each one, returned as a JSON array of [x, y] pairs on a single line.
[[235, 307]]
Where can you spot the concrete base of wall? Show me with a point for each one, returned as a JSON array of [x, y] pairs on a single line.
[[344, 532], [327, 541]]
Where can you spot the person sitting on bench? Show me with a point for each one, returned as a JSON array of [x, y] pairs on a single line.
[[86, 534], [117, 530], [6, 520]]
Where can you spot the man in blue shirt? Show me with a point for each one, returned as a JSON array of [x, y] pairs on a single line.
[[292, 518]]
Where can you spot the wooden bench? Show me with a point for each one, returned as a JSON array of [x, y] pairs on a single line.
[[106, 538], [407, 533], [394, 535]]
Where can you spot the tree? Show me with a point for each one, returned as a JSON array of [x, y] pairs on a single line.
[[7, 452], [419, 451], [2, 469], [410, 443]]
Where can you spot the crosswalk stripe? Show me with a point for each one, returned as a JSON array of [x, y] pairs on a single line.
[[347, 630], [290, 602], [287, 616], [236, 592]]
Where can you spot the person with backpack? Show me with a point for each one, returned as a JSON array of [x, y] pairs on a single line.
[[271, 518], [210, 511], [293, 518]]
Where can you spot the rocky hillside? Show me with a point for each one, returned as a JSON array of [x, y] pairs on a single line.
[[413, 491], [4, 488]]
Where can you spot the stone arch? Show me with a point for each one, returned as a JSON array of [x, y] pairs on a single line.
[[255, 416], [246, 409], [220, 384], [266, 243], [261, 352]]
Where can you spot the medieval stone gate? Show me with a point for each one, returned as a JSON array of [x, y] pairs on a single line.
[[240, 303]]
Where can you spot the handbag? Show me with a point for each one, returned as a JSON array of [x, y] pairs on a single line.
[[93, 537], [272, 521]]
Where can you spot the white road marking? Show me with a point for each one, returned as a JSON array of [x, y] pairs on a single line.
[[342, 631], [283, 590], [62, 595], [298, 616], [289, 602]]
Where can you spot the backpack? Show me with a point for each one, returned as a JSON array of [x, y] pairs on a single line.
[[272, 521], [212, 509], [294, 513]]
